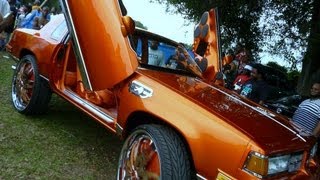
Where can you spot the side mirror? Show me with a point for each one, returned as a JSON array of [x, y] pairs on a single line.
[[128, 26]]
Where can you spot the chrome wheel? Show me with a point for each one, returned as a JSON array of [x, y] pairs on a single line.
[[140, 158], [154, 152], [22, 87], [30, 93]]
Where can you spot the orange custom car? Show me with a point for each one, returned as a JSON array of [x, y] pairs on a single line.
[[177, 121]]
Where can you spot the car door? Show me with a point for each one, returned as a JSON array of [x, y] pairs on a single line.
[[102, 48]]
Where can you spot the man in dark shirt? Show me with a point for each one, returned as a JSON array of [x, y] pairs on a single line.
[[256, 89]]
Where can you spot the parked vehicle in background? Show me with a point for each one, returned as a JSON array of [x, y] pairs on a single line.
[[283, 98], [177, 123], [285, 105], [278, 81]]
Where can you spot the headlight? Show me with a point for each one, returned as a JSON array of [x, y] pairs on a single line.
[[261, 166], [278, 164]]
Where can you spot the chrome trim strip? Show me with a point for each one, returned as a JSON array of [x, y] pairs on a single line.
[[258, 109], [216, 12], [119, 129], [77, 49], [199, 177], [89, 106], [66, 39], [45, 78]]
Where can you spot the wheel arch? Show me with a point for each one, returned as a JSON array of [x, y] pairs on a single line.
[[25, 52], [140, 117]]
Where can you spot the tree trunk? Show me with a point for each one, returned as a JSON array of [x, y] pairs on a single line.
[[311, 62]]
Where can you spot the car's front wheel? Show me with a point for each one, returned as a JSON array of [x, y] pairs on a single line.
[[154, 152], [30, 93]]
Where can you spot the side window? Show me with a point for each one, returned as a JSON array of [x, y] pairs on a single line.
[[157, 53], [60, 32]]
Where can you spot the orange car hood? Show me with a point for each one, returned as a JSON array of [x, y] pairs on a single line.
[[264, 127]]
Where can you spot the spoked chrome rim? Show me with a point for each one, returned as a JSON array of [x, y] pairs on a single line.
[[22, 87], [139, 158]]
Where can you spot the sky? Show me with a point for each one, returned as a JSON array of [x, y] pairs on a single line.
[[157, 20]]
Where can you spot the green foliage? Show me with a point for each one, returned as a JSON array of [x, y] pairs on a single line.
[[277, 27], [294, 75], [238, 19], [53, 3], [275, 65]]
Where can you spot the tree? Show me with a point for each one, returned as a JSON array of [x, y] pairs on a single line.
[[239, 23], [275, 65], [290, 28], [298, 28], [311, 62]]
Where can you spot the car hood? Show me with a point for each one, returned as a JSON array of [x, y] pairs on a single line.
[[262, 126]]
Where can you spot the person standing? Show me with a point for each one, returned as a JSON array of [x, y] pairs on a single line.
[[27, 22], [22, 14], [44, 16], [4, 11], [256, 89], [4, 8], [236, 66], [307, 115], [242, 78], [9, 29]]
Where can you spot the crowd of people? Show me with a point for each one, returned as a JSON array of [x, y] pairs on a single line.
[[246, 78], [31, 16]]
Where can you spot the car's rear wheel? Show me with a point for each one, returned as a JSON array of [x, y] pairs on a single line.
[[154, 152], [30, 93]]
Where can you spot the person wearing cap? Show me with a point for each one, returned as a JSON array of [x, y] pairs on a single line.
[[235, 66], [256, 89], [242, 78], [241, 59]]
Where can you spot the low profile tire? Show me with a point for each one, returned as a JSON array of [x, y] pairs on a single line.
[[154, 152], [30, 93]]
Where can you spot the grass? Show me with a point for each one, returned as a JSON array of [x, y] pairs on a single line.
[[64, 143]]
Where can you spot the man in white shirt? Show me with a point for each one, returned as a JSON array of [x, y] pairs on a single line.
[[5, 10]]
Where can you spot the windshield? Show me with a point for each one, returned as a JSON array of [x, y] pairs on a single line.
[[153, 41], [157, 51]]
